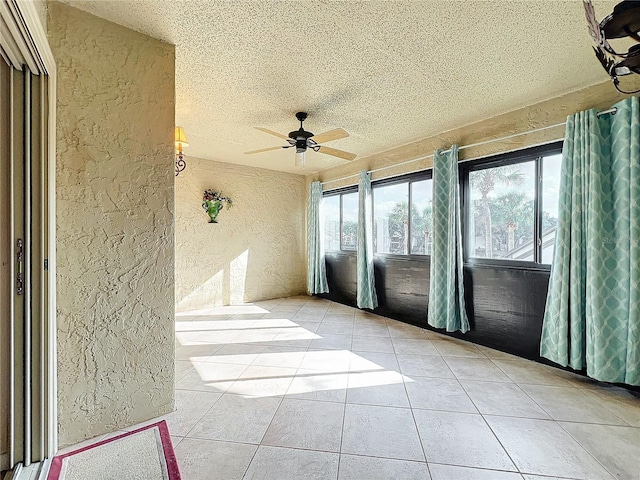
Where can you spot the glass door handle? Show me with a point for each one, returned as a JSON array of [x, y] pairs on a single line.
[[20, 267]]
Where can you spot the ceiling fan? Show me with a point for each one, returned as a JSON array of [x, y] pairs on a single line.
[[302, 139]]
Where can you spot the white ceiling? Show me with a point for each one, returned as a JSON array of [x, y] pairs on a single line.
[[388, 72]]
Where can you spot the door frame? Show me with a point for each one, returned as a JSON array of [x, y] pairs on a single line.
[[24, 42]]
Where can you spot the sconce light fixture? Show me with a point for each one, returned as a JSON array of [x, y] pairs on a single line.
[[181, 141], [623, 22]]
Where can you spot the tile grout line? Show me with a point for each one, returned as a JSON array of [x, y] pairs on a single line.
[[285, 394], [415, 424], [494, 361], [495, 435], [344, 416], [201, 417], [601, 402], [560, 420], [543, 420], [413, 417], [210, 408], [485, 469], [551, 418], [587, 451], [265, 431]]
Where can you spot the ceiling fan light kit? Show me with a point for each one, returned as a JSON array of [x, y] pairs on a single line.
[[302, 140], [623, 22]]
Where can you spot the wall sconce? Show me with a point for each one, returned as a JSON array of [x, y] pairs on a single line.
[[181, 141], [623, 22]]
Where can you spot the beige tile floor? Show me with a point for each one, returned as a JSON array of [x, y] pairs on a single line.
[[302, 388]]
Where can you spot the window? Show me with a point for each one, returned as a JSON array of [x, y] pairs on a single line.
[[421, 217], [550, 194], [340, 212], [511, 208], [331, 213], [398, 229], [391, 218], [502, 211], [349, 237]]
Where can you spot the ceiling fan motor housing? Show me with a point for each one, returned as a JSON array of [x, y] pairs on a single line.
[[300, 134]]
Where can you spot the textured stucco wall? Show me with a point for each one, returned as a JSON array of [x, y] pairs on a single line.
[[115, 224], [256, 251], [41, 8]]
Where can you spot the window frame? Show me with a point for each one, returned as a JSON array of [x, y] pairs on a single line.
[[408, 178], [535, 154]]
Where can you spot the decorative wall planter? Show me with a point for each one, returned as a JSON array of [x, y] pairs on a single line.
[[213, 202], [213, 209]]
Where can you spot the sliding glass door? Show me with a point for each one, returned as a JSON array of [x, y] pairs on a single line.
[[27, 336]]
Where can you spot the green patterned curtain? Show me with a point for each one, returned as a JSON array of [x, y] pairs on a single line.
[[316, 270], [446, 290], [592, 314], [366, 286]]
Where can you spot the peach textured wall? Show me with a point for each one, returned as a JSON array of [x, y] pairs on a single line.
[[256, 251], [115, 224]]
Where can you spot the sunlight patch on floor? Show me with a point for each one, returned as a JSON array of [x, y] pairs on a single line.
[[246, 309], [324, 370]]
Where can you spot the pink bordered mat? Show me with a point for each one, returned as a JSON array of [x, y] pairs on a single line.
[[107, 459]]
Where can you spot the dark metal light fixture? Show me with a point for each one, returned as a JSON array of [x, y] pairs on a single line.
[[301, 139], [623, 22]]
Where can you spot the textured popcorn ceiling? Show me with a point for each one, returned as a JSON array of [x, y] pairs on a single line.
[[387, 72]]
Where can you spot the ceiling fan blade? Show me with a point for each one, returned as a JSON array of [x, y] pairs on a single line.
[[337, 153], [331, 135], [271, 132], [263, 150]]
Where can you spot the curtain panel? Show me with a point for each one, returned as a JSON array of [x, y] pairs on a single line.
[[316, 269], [592, 316], [366, 284], [446, 289]]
